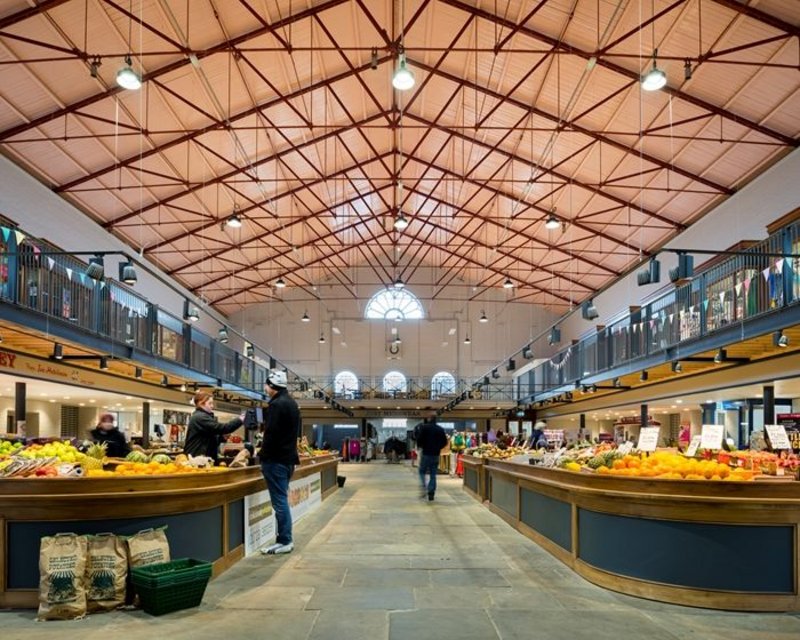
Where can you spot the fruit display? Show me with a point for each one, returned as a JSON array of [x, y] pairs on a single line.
[[8, 448], [499, 452], [62, 459]]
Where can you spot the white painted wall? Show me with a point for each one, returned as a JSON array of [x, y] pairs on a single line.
[[49, 415]]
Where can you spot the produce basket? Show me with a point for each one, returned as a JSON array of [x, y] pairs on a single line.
[[171, 586]]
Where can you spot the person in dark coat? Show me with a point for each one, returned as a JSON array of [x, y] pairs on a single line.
[[279, 457], [107, 432], [205, 431], [431, 439]]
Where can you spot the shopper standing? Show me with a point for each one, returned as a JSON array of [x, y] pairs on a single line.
[[107, 432], [278, 456], [205, 432], [431, 439]]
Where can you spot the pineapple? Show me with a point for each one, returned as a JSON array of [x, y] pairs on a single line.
[[95, 456]]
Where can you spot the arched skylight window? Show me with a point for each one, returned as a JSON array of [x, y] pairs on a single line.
[[442, 383], [394, 382], [345, 384], [394, 304]]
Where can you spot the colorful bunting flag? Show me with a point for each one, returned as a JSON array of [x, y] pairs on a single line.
[[19, 236], [6, 234]]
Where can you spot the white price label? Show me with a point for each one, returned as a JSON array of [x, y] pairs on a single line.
[[711, 436], [625, 448], [694, 445], [648, 438], [777, 436]]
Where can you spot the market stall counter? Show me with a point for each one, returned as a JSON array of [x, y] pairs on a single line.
[[205, 515], [719, 545]]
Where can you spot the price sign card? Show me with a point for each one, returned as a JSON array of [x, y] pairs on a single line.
[[625, 448], [694, 445], [648, 438], [711, 436], [777, 436]]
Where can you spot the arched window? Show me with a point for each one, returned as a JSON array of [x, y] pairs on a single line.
[[345, 384], [394, 304], [442, 383], [394, 382]]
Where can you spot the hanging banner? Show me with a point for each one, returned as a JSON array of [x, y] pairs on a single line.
[[722, 296], [747, 285], [259, 522]]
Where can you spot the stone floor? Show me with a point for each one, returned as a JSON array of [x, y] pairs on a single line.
[[375, 562]]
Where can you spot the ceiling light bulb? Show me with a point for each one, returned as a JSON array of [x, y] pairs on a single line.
[[399, 284], [305, 317], [654, 79], [127, 78], [552, 222], [403, 78], [234, 221], [483, 317], [279, 283], [508, 284], [401, 222]]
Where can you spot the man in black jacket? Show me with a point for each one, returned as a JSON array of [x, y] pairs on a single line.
[[431, 438], [278, 456]]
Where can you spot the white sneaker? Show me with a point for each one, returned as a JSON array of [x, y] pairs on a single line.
[[270, 549], [282, 548]]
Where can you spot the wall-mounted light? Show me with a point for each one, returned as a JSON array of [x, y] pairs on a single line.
[[222, 335], [589, 311], [96, 269], [780, 339], [58, 351], [676, 366], [190, 312], [127, 273]]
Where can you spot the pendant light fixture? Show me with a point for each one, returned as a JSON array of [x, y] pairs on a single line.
[[127, 273], [400, 222], [234, 221], [305, 317], [552, 222], [223, 335], [508, 284], [654, 79], [467, 340], [127, 78], [322, 338], [483, 317], [279, 283], [399, 284], [403, 78]]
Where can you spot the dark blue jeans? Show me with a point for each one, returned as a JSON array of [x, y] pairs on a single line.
[[428, 464], [277, 476]]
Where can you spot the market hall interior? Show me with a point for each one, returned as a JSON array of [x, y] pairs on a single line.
[[376, 562]]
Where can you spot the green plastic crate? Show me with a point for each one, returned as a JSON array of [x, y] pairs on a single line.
[[171, 586]]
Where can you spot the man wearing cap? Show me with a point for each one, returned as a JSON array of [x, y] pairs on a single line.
[[538, 439], [278, 456]]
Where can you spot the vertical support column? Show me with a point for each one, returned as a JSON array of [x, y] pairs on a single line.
[[146, 425], [709, 412], [769, 404], [581, 427], [644, 416], [20, 407]]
